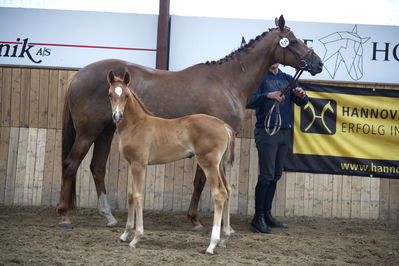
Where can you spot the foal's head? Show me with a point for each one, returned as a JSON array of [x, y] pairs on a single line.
[[118, 94]]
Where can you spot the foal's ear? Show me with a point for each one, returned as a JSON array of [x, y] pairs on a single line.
[[281, 23], [111, 77], [126, 78]]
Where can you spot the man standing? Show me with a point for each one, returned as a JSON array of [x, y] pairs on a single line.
[[272, 150]]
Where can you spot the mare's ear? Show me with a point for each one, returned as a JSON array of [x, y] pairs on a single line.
[[126, 78], [111, 77], [281, 23], [243, 42]]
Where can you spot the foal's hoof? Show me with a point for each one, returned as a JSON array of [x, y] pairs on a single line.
[[209, 253], [232, 236], [66, 226], [124, 237]]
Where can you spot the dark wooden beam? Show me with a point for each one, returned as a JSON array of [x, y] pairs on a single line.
[[163, 35]]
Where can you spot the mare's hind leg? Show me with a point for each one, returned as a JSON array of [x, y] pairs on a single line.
[[101, 150], [199, 183], [70, 166]]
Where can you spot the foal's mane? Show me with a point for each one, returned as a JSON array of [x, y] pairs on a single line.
[[130, 91], [148, 112], [239, 51]]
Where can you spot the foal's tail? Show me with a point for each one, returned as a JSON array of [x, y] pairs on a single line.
[[68, 138]]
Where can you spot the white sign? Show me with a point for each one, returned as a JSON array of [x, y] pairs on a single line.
[[73, 39], [353, 53]]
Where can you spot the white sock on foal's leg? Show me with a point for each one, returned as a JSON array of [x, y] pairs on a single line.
[[215, 238]]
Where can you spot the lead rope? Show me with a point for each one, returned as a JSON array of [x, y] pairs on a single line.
[[277, 124]]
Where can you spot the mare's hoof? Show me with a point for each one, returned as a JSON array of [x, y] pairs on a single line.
[[112, 224], [66, 226], [232, 236], [200, 229]]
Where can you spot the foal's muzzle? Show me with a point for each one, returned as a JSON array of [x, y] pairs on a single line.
[[117, 116]]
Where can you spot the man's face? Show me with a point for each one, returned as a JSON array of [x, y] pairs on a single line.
[[274, 67]]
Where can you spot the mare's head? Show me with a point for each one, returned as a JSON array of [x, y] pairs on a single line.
[[294, 52], [118, 94]]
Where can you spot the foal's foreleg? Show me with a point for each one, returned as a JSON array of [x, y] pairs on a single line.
[[130, 216], [138, 171]]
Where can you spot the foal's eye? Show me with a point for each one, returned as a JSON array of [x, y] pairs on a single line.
[[126, 96], [110, 95]]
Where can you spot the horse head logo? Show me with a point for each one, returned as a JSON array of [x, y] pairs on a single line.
[[344, 47]]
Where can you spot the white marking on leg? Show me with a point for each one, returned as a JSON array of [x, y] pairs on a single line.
[[124, 237], [105, 209], [215, 238]]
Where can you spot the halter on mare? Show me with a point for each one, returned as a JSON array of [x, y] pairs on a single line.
[[303, 65]]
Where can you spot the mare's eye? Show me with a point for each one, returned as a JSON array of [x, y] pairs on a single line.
[[293, 41], [126, 96]]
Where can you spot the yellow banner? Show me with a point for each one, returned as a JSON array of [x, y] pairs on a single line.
[[347, 125]]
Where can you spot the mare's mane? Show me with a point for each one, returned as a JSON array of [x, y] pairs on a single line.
[[239, 51]]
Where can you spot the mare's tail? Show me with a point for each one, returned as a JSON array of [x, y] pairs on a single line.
[[68, 138]]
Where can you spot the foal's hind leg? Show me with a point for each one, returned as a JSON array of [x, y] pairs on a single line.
[[102, 147], [210, 165], [199, 183], [227, 231]]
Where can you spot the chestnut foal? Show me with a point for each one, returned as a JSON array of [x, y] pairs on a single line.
[[146, 139]]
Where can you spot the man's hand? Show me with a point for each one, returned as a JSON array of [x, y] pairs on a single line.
[[299, 92], [276, 96]]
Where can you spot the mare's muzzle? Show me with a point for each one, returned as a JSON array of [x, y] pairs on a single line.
[[313, 65]]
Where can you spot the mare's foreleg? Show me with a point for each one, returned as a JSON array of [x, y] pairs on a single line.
[[101, 151], [199, 183]]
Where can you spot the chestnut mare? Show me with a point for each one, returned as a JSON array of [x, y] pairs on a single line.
[[220, 89], [146, 139]]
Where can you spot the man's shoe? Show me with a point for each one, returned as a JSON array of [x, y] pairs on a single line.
[[270, 221], [258, 223]]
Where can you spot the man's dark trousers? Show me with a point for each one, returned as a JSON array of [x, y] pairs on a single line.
[[272, 152]]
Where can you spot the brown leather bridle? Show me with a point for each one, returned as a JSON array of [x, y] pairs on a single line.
[[303, 65]]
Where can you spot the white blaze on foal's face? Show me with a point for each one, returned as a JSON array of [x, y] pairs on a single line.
[[118, 100]]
